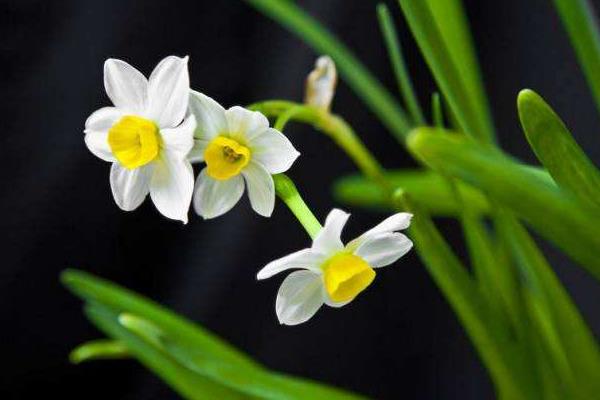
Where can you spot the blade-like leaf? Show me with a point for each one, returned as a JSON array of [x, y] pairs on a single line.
[[581, 24], [91, 288], [445, 44], [187, 383], [557, 150], [218, 366], [99, 349], [427, 188], [553, 213], [368, 88], [452, 21], [490, 336], [570, 340], [405, 85]]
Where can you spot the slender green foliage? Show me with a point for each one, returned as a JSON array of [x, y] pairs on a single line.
[[427, 188], [405, 85], [582, 27], [193, 361], [441, 55], [555, 215], [557, 150]]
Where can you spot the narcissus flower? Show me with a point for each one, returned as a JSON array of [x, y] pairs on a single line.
[[147, 135], [334, 274], [238, 146]]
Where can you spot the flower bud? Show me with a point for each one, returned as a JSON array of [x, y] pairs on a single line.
[[320, 84]]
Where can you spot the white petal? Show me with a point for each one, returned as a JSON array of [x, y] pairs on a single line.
[[129, 187], [261, 189], [126, 87], [209, 115], [396, 222], [97, 143], [274, 151], [180, 140], [329, 238], [245, 125], [168, 92], [299, 298], [172, 186], [305, 259], [213, 198], [196, 155], [103, 119], [383, 249]]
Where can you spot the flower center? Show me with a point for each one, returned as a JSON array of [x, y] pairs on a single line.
[[225, 158], [346, 275], [134, 141]]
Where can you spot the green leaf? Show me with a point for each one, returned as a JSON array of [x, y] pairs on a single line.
[[554, 214], [184, 381], [569, 339], [437, 115], [181, 344], [356, 75], [441, 31], [427, 188], [99, 349], [506, 364], [557, 150], [579, 20], [388, 29], [91, 288]]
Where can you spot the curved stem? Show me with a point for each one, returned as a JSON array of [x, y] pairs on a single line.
[[333, 126], [287, 192]]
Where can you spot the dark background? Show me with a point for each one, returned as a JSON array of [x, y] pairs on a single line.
[[398, 339]]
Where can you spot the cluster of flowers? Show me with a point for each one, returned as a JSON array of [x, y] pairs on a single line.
[[158, 127]]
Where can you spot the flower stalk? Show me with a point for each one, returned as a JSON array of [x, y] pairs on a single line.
[[287, 192], [333, 126]]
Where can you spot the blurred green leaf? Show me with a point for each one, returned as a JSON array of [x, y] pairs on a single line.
[[388, 29], [184, 381], [441, 31], [358, 77], [427, 188], [99, 349], [91, 288], [177, 343], [557, 150], [506, 364], [569, 339], [581, 24], [553, 213]]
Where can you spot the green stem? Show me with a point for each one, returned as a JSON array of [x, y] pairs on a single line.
[[333, 126], [286, 116], [287, 192]]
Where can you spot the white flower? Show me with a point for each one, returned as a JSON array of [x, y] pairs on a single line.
[[321, 83], [237, 145], [146, 135], [332, 273]]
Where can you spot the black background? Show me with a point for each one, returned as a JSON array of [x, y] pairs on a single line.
[[398, 339]]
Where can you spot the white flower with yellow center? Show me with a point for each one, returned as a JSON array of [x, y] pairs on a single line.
[[147, 135], [332, 273], [238, 146]]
